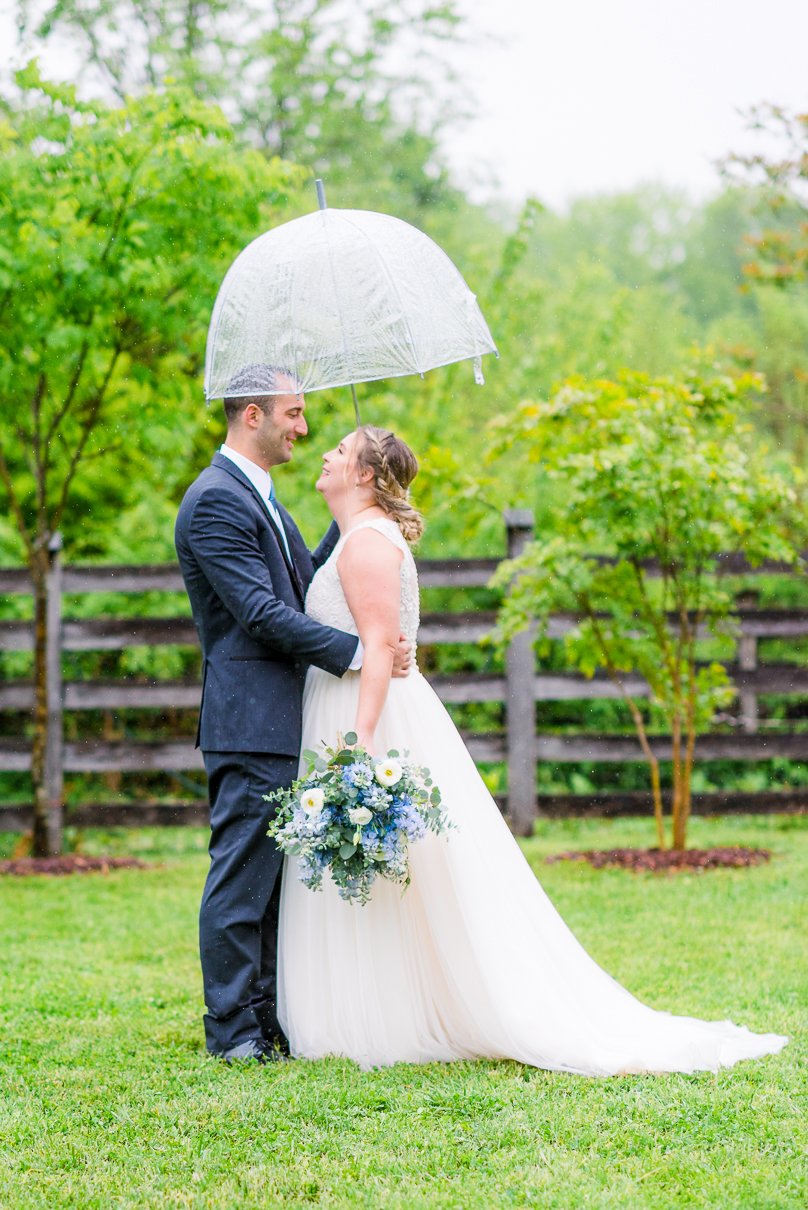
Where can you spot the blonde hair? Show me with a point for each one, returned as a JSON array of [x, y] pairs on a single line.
[[394, 467]]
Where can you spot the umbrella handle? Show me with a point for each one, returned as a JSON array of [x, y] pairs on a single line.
[[321, 202], [356, 406]]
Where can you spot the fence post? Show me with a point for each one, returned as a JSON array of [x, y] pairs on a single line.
[[520, 705], [748, 662], [54, 750]]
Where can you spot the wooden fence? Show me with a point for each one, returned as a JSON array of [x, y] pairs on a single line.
[[521, 686]]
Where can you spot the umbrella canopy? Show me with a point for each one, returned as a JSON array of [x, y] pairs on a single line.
[[340, 297]]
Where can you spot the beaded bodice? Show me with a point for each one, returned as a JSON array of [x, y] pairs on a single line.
[[325, 600]]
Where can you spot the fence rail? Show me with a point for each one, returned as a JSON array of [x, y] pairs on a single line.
[[462, 688], [519, 687]]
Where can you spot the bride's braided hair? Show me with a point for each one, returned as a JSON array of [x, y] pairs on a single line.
[[394, 467]]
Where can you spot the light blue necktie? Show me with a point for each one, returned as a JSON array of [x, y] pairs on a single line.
[[274, 512]]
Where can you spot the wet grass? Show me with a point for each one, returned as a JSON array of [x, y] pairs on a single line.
[[110, 1101]]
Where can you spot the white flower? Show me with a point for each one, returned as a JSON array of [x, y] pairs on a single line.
[[388, 772], [360, 816], [312, 801]]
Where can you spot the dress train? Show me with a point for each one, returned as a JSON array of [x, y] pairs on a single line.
[[472, 960]]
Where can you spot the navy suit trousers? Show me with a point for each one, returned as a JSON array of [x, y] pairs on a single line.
[[238, 918]]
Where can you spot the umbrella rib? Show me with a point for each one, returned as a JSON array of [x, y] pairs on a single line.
[[394, 287]]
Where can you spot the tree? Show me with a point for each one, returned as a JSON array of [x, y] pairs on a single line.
[[781, 247], [113, 241], [347, 91], [776, 274], [654, 480]]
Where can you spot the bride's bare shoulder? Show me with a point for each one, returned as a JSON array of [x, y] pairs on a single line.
[[368, 559], [368, 549]]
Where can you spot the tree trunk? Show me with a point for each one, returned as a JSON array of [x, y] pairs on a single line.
[[656, 791], [678, 788], [39, 745], [684, 777], [109, 731], [680, 832], [46, 745], [682, 816], [653, 764], [680, 827]]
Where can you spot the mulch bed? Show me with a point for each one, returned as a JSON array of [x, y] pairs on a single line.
[[655, 860], [668, 860], [70, 863]]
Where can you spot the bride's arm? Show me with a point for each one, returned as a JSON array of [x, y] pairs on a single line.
[[369, 569]]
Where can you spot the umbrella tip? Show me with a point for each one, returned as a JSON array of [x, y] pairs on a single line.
[[320, 187]]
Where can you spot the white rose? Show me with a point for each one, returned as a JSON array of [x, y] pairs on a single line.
[[312, 801], [388, 772], [360, 816]]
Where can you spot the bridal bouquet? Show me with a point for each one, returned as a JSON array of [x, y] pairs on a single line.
[[356, 815]]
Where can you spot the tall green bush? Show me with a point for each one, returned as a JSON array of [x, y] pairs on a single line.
[[116, 227], [653, 480]]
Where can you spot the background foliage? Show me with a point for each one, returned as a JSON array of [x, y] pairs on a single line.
[[633, 280]]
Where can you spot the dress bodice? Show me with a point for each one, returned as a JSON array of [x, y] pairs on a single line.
[[325, 600]]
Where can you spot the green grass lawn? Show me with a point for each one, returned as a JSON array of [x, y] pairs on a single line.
[[110, 1101]]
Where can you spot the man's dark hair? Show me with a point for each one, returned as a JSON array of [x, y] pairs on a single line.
[[256, 384]]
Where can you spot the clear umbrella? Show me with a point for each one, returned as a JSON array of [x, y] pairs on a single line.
[[336, 298]]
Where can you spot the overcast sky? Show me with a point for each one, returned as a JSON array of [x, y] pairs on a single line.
[[584, 96]]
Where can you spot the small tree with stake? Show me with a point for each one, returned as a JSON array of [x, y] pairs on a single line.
[[116, 225], [655, 480]]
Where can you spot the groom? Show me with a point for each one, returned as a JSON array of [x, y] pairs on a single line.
[[246, 570]]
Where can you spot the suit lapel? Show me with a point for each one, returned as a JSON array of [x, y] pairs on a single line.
[[226, 464]]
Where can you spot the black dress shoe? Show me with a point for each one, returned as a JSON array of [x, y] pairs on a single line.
[[270, 1026], [279, 1042], [255, 1050]]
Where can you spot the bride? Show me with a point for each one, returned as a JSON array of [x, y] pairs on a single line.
[[472, 960]]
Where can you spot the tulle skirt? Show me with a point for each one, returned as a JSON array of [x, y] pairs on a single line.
[[472, 960]]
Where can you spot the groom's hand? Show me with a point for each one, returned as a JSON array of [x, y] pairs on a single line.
[[402, 660]]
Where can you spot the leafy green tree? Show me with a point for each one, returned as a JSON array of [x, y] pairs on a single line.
[[654, 479], [347, 91], [775, 268], [780, 248], [637, 236], [710, 277], [116, 227], [773, 340]]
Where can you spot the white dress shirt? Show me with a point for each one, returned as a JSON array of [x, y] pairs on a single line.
[[262, 482]]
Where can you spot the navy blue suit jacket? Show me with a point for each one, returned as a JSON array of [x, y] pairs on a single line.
[[247, 599]]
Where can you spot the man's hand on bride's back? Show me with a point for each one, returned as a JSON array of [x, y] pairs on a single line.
[[402, 660]]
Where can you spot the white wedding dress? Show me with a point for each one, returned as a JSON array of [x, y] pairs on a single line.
[[472, 960]]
